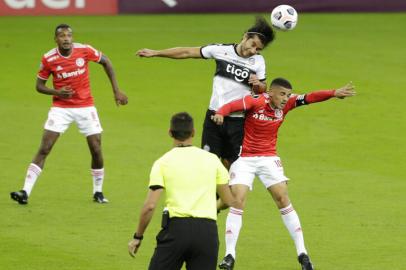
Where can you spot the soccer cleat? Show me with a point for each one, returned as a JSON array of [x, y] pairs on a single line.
[[19, 196], [304, 260], [99, 197], [227, 263]]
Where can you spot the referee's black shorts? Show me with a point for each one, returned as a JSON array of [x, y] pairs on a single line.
[[225, 140], [190, 240]]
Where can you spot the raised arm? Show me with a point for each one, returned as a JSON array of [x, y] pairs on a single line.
[[174, 53], [119, 97]]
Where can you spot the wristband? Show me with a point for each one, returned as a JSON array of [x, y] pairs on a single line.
[[138, 237]]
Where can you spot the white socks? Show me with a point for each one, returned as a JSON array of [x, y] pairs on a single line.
[[233, 226], [32, 174], [292, 223], [98, 177]]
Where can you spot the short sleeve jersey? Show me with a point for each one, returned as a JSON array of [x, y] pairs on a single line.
[[230, 80], [190, 177], [70, 71]]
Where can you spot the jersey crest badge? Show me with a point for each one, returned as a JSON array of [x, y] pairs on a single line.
[[80, 62], [278, 113]]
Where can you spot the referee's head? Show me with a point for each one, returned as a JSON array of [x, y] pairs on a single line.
[[182, 126]]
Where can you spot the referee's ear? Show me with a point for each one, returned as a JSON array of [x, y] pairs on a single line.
[[170, 133], [193, 133]]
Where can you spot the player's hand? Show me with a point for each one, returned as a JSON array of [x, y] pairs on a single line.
[[121, 98], [146, 53], [256, 85], [133, 246], [65, 92], [218, 119], [345, 91]]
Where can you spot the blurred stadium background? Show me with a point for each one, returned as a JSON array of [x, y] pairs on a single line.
[[345, 158]]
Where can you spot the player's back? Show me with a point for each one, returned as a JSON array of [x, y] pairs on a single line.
[[190, 177]]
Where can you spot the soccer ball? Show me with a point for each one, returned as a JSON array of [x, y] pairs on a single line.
[[284, 17]]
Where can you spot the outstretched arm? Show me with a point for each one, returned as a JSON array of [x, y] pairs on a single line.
[[322, 95], [120, 97], [175, 53]]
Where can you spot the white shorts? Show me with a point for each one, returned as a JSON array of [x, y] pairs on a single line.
[[86, 119], [268, 169]]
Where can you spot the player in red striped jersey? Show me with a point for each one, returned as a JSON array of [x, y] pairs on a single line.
[[264, 115], [72, 102]]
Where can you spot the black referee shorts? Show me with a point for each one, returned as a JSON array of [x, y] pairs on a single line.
[[193, 241], [225, 141]]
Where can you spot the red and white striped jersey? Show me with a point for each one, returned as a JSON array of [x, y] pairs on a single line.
[[70, 71], [262, 122]]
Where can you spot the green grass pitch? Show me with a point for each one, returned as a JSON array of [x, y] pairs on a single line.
[[345, 158]]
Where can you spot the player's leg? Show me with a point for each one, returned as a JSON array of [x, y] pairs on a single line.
[[35, 168], [58, 121], [97, 168], [234, 135], [232, 140], [212, 142], [291, 220], [273, 177], [89, 124], [242, 173]]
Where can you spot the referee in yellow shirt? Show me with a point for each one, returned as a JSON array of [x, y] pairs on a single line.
[[190, 177]]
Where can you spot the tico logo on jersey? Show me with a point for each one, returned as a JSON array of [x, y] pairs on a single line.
[[232, 71], [239, 74]]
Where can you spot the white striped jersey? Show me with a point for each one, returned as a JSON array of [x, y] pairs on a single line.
[[230, 81]]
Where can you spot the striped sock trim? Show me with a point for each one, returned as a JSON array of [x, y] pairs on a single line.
[[97, 172], [35, 169], [236, 211], [287, 210]]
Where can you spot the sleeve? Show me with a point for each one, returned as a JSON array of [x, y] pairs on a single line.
[[156, 177], [261, 72], [222, 176], [305, 99], [93, 54], [243, 104], [44, 70], [209, 51]]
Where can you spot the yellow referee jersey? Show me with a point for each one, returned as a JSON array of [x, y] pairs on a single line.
[[189, 176]]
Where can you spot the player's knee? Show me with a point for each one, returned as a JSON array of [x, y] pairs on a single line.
[[239, 202], [282, 201], [95, 148]]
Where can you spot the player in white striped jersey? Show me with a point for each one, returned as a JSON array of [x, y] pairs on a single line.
[[240, 70]]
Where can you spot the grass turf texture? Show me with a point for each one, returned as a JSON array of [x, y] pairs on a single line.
[[344, 158]]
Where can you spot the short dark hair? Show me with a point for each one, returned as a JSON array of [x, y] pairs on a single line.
[[263, 30], [282, 82], [181, 126], [61, 26]]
